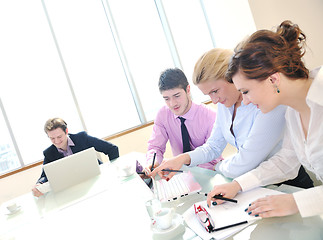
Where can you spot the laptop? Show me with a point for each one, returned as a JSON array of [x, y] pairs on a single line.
[[71, 170], [179, 185]]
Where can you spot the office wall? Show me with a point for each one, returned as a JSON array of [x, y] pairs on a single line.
[[306, 13]]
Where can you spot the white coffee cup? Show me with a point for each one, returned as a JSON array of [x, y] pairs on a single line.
[[12, 207], [164, 218], [153, 206], [127, 168]]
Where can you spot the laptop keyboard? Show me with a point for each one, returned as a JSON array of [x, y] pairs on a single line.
[[171, 190]]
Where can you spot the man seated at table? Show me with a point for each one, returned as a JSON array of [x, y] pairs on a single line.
[[65, 144], [197, 119]]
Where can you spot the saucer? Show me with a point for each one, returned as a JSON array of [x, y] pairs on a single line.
[[176, 222], [13, 212], [126, 172]]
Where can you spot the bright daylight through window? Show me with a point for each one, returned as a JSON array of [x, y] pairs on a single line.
[[96, 63]]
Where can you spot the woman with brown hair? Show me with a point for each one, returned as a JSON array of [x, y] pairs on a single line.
[[256, 136], [268, 70]]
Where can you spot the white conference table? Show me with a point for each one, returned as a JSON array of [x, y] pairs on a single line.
[[278, 228], [113, 207]]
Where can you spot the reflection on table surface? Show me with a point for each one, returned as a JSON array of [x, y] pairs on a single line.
[[112, 205]]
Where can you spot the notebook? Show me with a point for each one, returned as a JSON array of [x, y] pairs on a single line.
[[227, 214], [72, 170], [179, 185]]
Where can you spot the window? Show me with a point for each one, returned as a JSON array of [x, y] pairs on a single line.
[[33, 87], [93, 65], [145, 47], [8, 157], [97, 63], [191, 36]]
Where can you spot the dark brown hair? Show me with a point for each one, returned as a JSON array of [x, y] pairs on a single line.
[[172, 78], [266, 52]]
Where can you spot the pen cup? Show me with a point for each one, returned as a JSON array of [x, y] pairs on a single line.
[[153, 206]]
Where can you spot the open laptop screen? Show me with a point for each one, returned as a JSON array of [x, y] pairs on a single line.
[[72, 170]]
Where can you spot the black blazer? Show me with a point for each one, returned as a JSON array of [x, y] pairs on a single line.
[[82, 141]]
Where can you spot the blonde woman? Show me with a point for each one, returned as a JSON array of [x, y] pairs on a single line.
[[256, 136]]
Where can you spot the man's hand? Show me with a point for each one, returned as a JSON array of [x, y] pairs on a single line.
[[147, 171], [36, 192]]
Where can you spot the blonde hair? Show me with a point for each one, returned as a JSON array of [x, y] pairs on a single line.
[[54, 123], [212, 65]]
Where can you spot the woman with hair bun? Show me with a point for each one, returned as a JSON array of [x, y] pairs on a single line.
[[255, 135], [269, 71]]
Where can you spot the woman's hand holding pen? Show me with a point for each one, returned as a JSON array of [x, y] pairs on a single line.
[[173, 164], [273, 206], [228, 190]]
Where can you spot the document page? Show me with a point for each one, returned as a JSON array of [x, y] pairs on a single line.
[[226, 214]]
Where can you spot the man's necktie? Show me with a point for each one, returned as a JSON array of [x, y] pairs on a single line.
[[185, 136]]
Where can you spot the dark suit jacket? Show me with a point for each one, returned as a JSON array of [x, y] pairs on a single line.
[[82, 141]]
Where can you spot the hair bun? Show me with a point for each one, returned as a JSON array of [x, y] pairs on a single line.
[[291, 32]]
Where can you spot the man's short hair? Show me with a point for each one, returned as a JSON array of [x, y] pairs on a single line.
[[54, 123], [172, 78]]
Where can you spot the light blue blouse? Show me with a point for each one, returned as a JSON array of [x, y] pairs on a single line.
[[257, 137]]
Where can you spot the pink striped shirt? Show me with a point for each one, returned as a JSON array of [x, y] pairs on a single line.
[[167, 127]]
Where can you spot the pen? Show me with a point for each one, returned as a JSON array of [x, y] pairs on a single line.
[[169, 170], [220, 197], [151, 169], [152, 166], [165, 170], [229, 226], [236, 224]]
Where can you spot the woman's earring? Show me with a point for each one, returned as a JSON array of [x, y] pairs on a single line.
[[277, 89]]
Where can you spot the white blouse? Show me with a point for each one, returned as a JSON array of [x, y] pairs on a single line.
[[297, 150]]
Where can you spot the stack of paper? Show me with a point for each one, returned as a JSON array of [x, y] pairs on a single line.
[[226, 214]]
